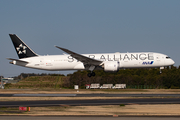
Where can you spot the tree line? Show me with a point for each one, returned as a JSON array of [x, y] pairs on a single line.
[[25, 75], [169, 78]]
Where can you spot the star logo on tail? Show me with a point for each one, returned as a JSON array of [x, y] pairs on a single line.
[[21, 49]]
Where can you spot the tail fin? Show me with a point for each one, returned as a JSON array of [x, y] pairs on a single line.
[[21, 48]]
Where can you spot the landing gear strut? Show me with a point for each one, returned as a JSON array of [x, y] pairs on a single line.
[[91, 68], [161, 69], [91, 74]]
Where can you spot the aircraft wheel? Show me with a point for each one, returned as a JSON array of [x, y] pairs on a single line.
[[89, 75], [93, 74]]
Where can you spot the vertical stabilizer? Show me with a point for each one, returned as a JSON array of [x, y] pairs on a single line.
[[21, 48]]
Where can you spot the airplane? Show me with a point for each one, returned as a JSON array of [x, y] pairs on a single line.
[[110, 62]]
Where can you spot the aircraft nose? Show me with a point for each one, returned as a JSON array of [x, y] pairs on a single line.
[[169, 62], [172, 62]]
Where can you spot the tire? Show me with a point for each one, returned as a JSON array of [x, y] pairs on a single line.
[[89, 75], [93, 74]]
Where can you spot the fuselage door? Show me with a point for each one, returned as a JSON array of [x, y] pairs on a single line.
[[41, 61], [160, 60]]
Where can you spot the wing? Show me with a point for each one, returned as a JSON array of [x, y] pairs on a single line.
[[83, 59]]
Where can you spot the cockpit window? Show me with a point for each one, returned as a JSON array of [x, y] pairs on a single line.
[[167, 57]]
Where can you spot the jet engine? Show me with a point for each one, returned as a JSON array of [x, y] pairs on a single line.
[[111, 66]]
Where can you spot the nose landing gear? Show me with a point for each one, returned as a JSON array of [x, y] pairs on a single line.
[[161, 68]]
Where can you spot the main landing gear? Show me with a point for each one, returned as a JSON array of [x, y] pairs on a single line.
[[91, 74], [91, 68]]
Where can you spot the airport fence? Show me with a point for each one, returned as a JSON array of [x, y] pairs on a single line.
[[144, 87], [122, 86]]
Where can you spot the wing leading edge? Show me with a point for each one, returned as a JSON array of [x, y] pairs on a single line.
[[83, 59]]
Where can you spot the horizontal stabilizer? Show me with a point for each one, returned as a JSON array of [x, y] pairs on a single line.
[[17, 60]]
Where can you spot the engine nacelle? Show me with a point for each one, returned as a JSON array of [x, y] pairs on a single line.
[[111, 66]]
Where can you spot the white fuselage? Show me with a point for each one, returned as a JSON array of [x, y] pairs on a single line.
[[126, 60]]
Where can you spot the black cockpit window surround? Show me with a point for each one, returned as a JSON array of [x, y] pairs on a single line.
[[167, 57]]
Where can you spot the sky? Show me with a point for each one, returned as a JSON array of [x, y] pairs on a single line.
[[88, 26]]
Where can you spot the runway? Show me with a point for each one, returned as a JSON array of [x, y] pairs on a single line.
[[89, 95], [90, 102], [137, 99], [83, 118]]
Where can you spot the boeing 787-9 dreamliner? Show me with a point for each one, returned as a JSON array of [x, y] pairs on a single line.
[[74, 61]]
